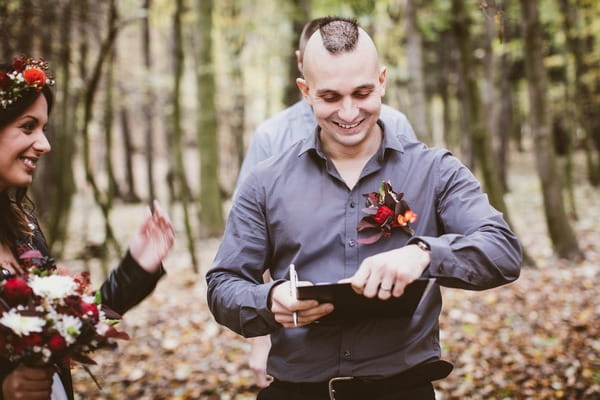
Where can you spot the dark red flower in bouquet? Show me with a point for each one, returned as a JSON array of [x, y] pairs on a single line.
[[90, 310], [35, 76], [5, 80], [33, 339], [57, 343], [16, 291], [385, 211]]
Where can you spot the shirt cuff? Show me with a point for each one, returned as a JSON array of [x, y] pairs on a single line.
[[437, 253], [264, 300]]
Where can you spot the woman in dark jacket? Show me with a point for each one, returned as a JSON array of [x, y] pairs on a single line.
[[25, 104]]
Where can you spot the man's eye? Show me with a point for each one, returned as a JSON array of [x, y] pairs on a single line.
[[362, 95], [331, 99]]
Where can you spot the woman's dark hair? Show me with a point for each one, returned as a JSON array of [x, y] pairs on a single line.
[[15, 205]]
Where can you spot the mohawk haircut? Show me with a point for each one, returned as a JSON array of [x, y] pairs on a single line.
[[339, 34]]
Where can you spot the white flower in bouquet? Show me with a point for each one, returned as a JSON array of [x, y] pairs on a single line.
[[69, 328], [101, 328], [53, 287], [22, 325]]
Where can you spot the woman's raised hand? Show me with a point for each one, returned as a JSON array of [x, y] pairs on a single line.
[[155, 237]]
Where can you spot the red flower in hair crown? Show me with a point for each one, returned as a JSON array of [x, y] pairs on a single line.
[[385, 211], [24, 74]]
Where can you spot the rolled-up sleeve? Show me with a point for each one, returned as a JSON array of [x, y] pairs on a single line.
[[237, 297], [477, 250]]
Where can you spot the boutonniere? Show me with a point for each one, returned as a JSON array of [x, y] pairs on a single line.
[[385, 211]]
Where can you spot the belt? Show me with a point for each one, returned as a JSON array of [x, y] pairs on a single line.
[[420, 375]]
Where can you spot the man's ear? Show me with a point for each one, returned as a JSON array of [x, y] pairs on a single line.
[[304, 89], [382, 80]]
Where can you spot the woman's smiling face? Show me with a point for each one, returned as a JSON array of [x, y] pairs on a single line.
[[22, 143]]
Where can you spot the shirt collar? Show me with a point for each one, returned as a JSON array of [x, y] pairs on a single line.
[[391, 141]]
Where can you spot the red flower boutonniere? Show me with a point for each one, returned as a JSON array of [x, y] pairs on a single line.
[[386, 210]]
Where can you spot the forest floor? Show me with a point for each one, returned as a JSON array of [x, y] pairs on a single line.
[[538, 338]]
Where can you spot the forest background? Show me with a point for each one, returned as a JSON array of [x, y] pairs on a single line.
[[159, 99]]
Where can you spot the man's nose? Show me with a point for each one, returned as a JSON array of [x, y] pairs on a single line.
[[348, 111]]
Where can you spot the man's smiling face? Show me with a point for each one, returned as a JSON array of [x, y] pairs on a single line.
[[344, 90]]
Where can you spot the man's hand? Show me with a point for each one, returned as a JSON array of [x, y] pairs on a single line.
[[155, 237], [28, 384], [283, 304], [386, 274]]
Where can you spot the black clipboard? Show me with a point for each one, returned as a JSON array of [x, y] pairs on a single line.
[[351, 305]]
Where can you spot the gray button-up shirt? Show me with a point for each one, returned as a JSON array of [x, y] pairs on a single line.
[[295, 208]]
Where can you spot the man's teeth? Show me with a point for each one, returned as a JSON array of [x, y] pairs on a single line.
[[348, 126]]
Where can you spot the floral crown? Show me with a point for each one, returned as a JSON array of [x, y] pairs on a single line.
[[26, 74]]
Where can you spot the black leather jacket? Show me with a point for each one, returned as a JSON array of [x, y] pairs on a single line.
[[126, 286]]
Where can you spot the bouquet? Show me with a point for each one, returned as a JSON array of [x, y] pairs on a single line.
[[385, 211], [48, 317]]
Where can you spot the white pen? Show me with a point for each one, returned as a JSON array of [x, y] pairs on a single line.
[[293, 293]]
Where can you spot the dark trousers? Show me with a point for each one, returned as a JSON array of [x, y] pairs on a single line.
[[345, 391]]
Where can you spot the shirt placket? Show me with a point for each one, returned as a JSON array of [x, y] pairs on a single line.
[[351, 258]]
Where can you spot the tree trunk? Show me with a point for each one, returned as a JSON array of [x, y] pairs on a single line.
[[443, 83], [559, 228], [460, 32], [64, 144], [300, 14], [5, 45], [233, 112], [490, 99], [84, 18], [26, 27], [148, 108], [178, 133], [130, 196], [211, 211], [40, 189], [90, 94], [586, 112], [505, 120], [416, 76], [56, 166], [480, 141], [109, 119]]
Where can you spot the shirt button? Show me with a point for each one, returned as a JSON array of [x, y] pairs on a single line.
[[352, 204], [347, 354], [351, 243]]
